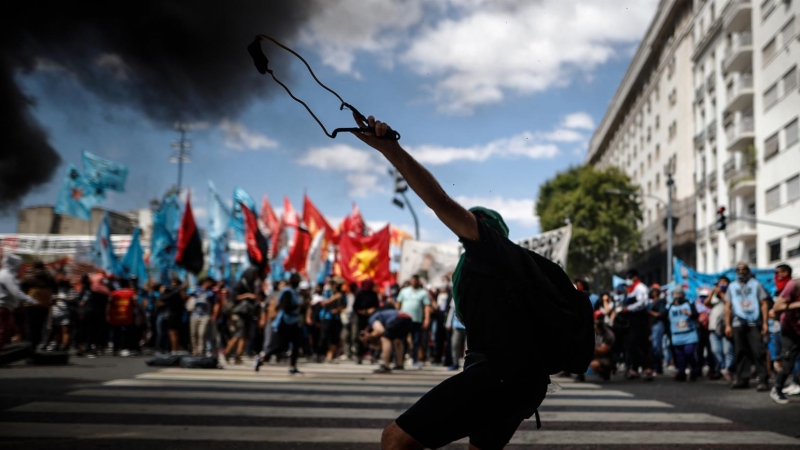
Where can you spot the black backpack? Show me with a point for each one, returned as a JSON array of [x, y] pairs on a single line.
[[550, 319]]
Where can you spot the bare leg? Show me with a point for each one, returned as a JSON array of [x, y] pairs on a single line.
[[386, 351], [64, 337], [398, 352], [394, 438], [173, 340]]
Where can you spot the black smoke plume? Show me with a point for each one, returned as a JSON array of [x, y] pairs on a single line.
[[171, 60]]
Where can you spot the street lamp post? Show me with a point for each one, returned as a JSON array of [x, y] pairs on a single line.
[[182, 147], [400, 187]]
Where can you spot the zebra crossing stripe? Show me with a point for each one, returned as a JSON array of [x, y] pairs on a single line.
[[331, 397], [372, 436]]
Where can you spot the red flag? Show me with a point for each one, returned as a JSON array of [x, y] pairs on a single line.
[[189, 254], [290, 217], [315, 221], [353, 225], [365, 257], [256, 243], [296, 260], [268, 216]]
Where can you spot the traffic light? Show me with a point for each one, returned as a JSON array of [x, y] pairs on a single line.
[[400, 184], [722, 220]]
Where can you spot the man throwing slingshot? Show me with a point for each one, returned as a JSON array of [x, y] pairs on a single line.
[[506, 371]]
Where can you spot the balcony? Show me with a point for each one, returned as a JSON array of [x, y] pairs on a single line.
[[699, 140], [700, 233], [712, 180], [740, 92], [698, 94], [736, 16], [742, 182], [741, 230], [711, 130], [711, 81], [739, 54], [729, 169], [712, 229], [740, 134], [700, 186]]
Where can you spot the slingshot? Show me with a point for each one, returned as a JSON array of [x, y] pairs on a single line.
[[262, 65]]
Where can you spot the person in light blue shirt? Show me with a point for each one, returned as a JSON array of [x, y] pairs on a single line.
[[683, 326], [415, 301], [746, 322]]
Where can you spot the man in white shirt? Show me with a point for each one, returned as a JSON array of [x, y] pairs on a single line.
[[637, 339], [415, 301]]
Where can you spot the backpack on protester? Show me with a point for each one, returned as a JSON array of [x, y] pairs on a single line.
[[547, 311]]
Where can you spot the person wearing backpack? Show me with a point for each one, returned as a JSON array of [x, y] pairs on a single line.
[[524, 321], [787, 310]]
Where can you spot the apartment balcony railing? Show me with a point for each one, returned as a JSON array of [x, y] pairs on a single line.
[[701, 233], [736, 16], [711, 81], [740, 134], [728, 169], [699, 139], [712, 180], [740, 93], [711, 130], [739, 54], [700, 186], [741, 230], [698, 93]]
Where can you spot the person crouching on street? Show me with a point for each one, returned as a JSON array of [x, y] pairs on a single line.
[[387, 330], [603, 342]]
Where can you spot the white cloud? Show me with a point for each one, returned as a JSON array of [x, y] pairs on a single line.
[[512, 209], [237, 137], [579, 120], [362, 169], [478, 51], [525, 144]]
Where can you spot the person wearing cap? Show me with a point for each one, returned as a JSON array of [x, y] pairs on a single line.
[[603, 342], [503, 381], [286, 326], [683, 332]]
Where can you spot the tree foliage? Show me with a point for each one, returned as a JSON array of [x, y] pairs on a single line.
[[604, 225]]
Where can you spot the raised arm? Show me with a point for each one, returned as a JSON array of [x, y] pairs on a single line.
[[421, 181]]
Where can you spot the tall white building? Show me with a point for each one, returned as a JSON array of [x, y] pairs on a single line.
[[648, 124], [745, 124]]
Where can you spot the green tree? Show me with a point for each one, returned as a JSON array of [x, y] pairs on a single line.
[[604, 226]]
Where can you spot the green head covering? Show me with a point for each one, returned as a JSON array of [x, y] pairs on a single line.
[[495, 221]]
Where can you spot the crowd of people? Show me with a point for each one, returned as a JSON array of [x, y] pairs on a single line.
[[737, 331], [99, 315]]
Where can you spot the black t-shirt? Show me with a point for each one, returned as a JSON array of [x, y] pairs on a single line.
[[660, 307], [484, 305], [365, 300], [173, 301]]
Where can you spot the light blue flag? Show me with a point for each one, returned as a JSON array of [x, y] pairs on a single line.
[[133, 262], [78, 196], [104, 173], [691, 280], [164, 242], [219, 219], [617, 281], [102, 251], [237, 217]]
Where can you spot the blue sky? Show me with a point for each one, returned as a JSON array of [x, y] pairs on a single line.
[[493, 97]]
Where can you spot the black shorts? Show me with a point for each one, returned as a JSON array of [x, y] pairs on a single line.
[[481, 403], [398, 328], [331, 332], [175, 320]]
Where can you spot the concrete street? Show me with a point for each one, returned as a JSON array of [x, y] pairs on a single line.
[[120, 403]]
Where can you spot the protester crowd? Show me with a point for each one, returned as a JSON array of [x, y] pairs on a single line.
[[737, 330]]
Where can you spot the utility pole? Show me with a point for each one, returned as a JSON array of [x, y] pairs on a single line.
[[670, 184], [400, 187], [182, 146]]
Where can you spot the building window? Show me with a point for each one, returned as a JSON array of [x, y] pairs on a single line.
[[793, 246], [774, 250], [713, 13], [768, 51], [649, 187], [773, 198], [767, 6], [790, 80], [793, 188], [658, 150], [787, 32], [641, 168], [658, 181], [791, 133], [658, 122], [771, 146], [771, 96]]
